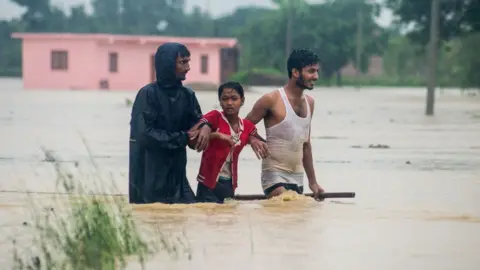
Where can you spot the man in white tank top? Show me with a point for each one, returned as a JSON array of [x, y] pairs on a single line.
[[287, 114]]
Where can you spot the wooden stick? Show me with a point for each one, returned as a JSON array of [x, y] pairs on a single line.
[[326, 195]]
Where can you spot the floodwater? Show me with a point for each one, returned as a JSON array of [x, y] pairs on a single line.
[[417, 204]]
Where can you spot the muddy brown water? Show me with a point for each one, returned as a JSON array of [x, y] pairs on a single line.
[[417, 204]]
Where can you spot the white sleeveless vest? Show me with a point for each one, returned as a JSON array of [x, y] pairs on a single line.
[[285, 143]]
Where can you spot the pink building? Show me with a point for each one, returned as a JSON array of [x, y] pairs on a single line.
[[120, 62]]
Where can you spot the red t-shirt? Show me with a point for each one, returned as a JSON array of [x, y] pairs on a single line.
[[215, 156]]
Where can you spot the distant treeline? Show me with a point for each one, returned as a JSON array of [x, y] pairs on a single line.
[[266, 35]]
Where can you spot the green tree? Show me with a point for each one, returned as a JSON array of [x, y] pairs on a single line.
[[79, 21], [231, 25], [197, 24], [459, 25], [41, 16], [329, 29], [336, 44], [456, 17], [149, 17], [403, 58], [10, 55], [106, 16], [261, 39], [468, 61], [290, 11]]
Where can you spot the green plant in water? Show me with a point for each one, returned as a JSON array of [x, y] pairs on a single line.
[[128, 102], [85, 231]]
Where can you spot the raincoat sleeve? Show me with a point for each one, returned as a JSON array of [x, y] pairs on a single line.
[[197, 112], [158, 138]]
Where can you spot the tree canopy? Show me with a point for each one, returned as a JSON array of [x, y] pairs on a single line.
[[267, 35]]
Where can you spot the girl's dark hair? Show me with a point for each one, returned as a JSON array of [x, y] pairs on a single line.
[[232, 85]]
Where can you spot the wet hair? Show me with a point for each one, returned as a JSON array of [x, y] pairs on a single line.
[[300, 58], [232, 85]]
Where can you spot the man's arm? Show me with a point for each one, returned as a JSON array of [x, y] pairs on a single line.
[[307, 152], [158, 138], [255, 136], [260, 109], [308, 163], [210, 122], [258, 113], [197, 118], [197, 112]]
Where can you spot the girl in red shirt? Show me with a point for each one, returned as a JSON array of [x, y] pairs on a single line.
[[217, 177]]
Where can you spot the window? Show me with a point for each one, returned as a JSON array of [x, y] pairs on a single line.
[[113, 62], [204, 64], [59, 60]]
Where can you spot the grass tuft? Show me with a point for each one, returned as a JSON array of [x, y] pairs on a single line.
[[80, 230]]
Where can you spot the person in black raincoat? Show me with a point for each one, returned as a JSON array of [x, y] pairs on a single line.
[[163, 117]]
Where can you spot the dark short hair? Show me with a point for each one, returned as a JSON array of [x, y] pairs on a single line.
[[300, 58], [232, 85]]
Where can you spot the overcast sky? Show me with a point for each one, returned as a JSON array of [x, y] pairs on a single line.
[[217, 7]]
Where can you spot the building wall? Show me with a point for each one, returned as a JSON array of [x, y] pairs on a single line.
[[213, 71], [88, 64], [134, 66], [36, 61]]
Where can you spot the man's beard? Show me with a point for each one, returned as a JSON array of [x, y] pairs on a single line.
[[300, 82]]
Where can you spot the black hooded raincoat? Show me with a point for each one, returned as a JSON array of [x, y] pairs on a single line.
[[162, 114]]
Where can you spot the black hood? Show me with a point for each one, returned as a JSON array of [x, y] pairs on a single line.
[[165, 63]]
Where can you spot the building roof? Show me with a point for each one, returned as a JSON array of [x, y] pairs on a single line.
[[110, 38]]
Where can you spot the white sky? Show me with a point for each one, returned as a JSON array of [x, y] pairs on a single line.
[[217, 7]]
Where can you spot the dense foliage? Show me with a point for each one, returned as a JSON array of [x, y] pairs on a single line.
[[267, 35]]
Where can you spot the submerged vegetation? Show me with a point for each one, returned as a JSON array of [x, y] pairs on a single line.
[[78, 229]]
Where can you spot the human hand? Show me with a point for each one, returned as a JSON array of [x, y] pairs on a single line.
[[203, 138], [193, 134], [317, 191], [260, 148], [227, 138]]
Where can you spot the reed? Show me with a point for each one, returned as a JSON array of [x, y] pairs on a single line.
[[81, 230]]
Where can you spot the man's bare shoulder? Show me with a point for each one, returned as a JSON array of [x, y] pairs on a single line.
[[262, 107], [267, 100], [310, 99], [273, 93], [311, 102]]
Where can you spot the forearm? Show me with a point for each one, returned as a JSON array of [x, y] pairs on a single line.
[[201, 124], [215, 135], [158, 138], [255, 136], [195, 127], [172, 140], [154, 136], [308, 164]]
